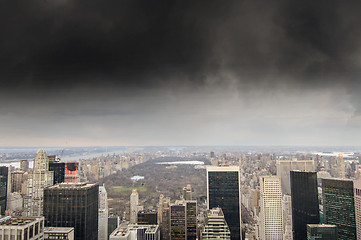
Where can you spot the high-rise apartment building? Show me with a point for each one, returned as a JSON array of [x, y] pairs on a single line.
[[216, 226], [305, 206], [4, 173], [103, 214], [223, 190], [39, 179], [339, 207], [73, 205], [134, 198], [321, 232], [285, 166], [271, 217]]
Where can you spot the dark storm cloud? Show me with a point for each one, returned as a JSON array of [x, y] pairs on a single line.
[[67, 43], [136, 71]]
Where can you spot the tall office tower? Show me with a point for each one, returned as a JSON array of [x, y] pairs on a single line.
[[73, 205], [357, 196], [216, 226], [187, 192], [339, 207], [191, 224], [4, 171], [321, 232], [183, 220], [17, 180], [39, 179], [103, 214], [24, 165], [134, 198], [271, 208], [212, 155], [59, 171], [305, 208], [164, 217], [341, 166], [178, 221], [223, 190], [285, 166], [71, 172]]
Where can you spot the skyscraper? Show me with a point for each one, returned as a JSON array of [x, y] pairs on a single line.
[[223, 190], [4, 171], [39, 179], [73, 205], [103, 214], [285, 166], [134, 198], [305, 206], [271, 208], [164, 217], [183, 220], [187, 192], [338, 206]]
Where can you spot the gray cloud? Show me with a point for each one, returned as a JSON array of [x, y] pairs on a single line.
[[180, 72]]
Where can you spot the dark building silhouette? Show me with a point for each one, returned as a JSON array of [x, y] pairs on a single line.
[[191, 208], [59, 171], [73, 205], [304, 198], [321, 232], [147, 217], [339, 207], [4, 171], [223, 190]]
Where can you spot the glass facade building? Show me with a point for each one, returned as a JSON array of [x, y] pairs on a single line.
[[3, 188], [223, 191], [305, 206], [339, 207], [73, 205], [59, 171]]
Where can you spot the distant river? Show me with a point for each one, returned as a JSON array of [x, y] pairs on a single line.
[[16, 162]]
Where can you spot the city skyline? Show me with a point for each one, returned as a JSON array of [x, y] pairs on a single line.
[[136, 73]]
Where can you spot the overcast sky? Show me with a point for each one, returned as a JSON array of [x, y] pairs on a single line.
[[140, 72]]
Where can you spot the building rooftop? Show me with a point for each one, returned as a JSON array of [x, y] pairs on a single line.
[[17, 221], [58, 229], [321, 225], [72, 185]]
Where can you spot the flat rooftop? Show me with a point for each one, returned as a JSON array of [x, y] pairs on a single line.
[[72, 185], [58, 229], [17, 221]]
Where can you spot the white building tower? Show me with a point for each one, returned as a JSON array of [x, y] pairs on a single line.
[[103, 214], [134, 198], [271, 218], [39, 179]]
